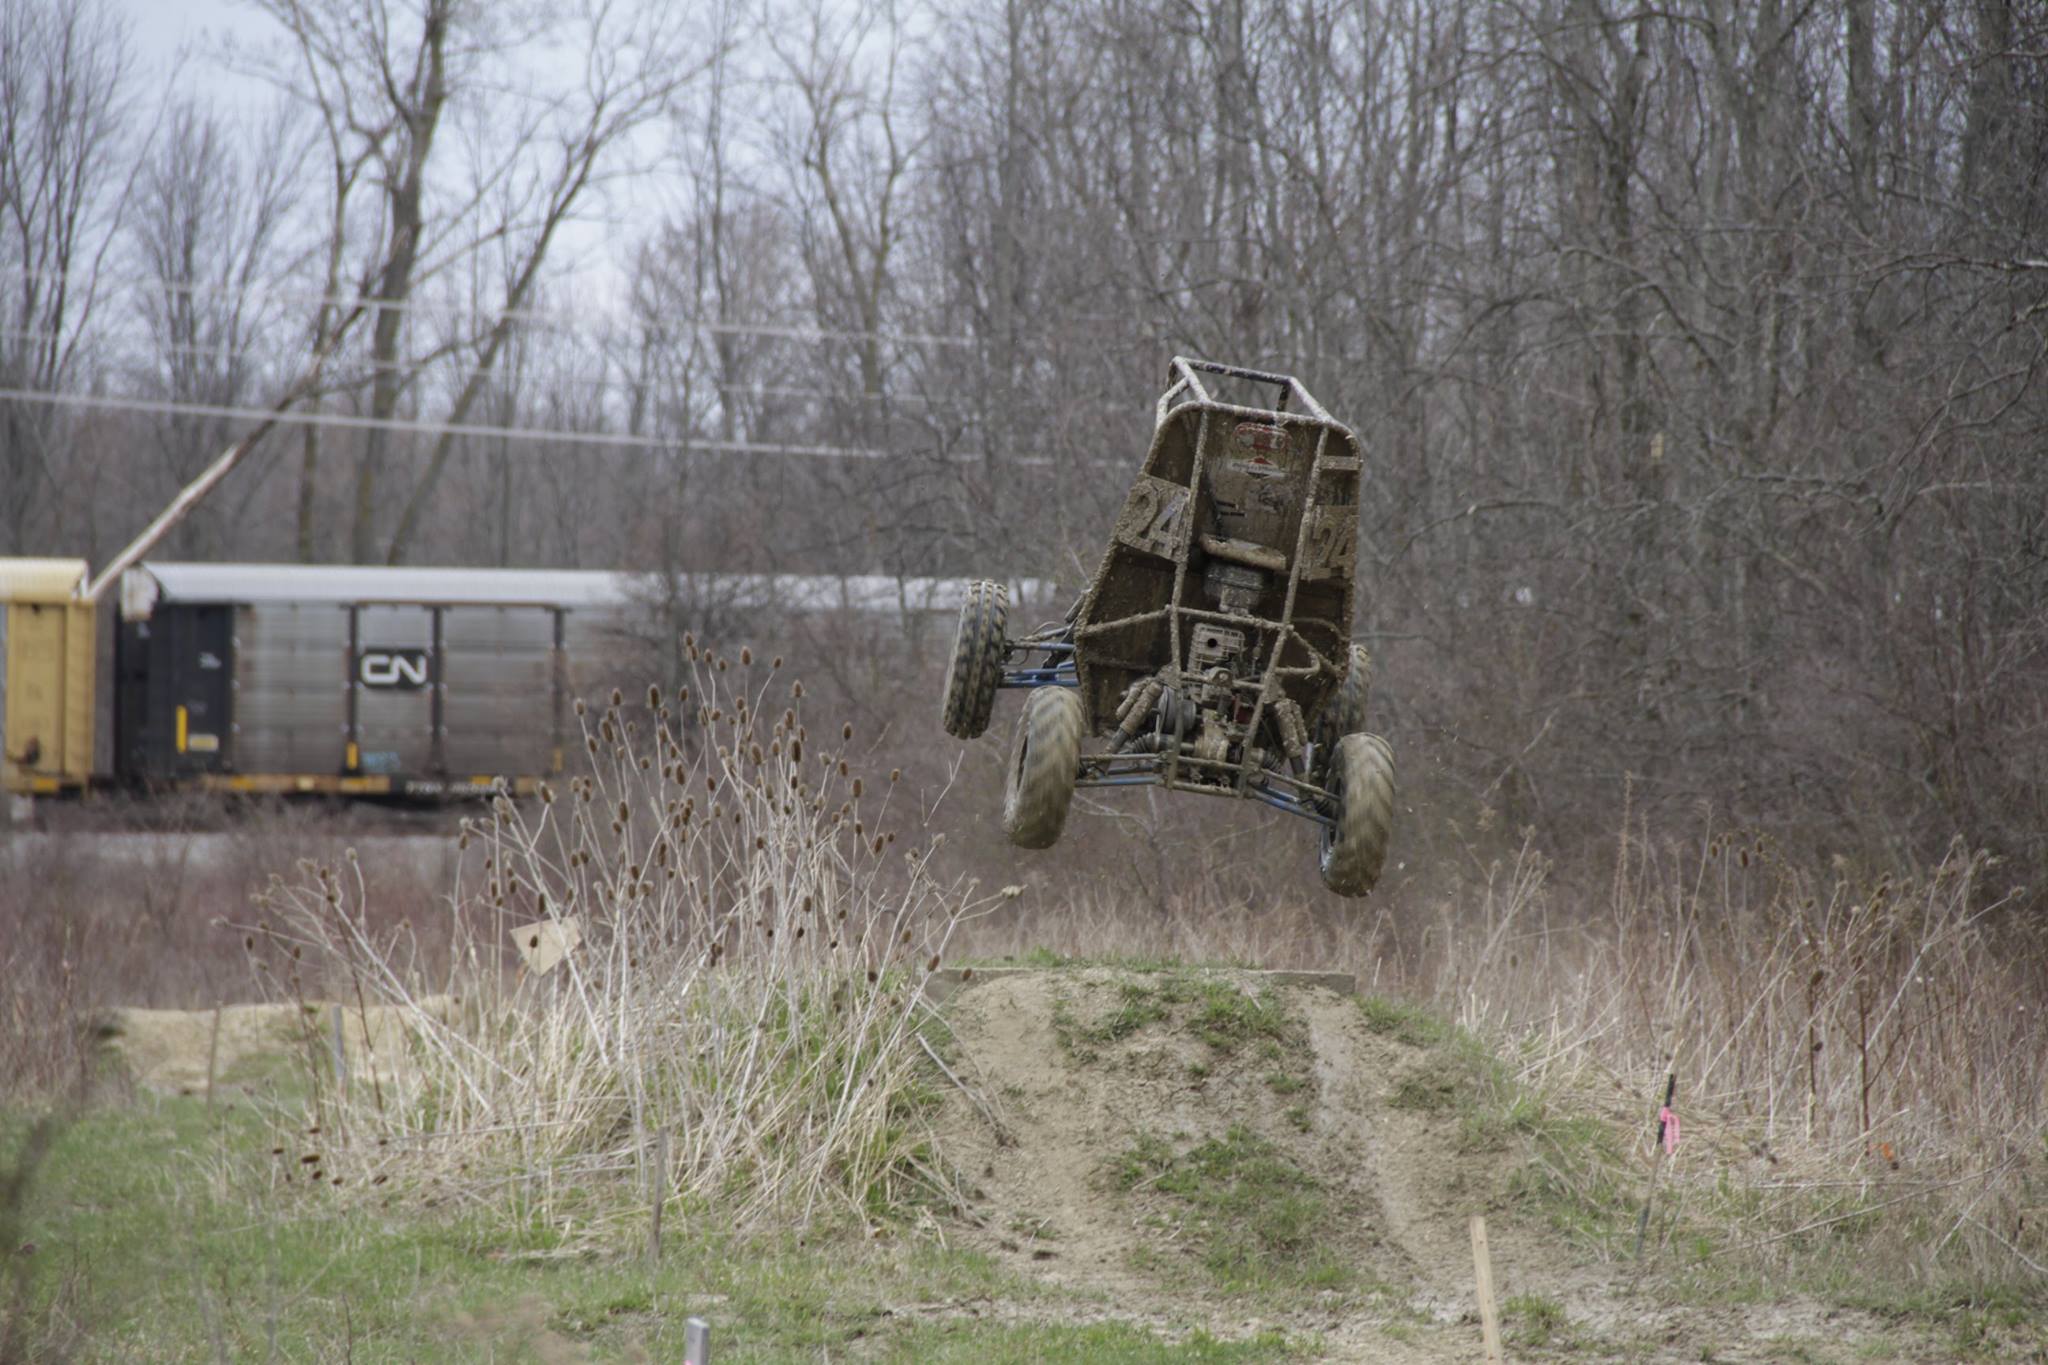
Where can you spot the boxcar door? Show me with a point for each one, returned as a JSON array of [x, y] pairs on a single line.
[[498, 690], [394, 677], [35, 695], [291, 699], [196, 658]]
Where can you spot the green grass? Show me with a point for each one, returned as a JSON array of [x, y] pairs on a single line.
[[1976, 1319], [1706, 1241], [1256, 1221], [1137, 1006], [1217, 1011], [1410, 1024], [973, 1343], [1226, 1017], [1568, 1169], [166, 1232], [1045, 959], [1533, 1320], [1424, 1093]]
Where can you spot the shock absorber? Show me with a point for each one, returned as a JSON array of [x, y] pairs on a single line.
[[1136, 710]]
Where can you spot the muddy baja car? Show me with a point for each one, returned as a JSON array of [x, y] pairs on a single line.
[[1212, 651]]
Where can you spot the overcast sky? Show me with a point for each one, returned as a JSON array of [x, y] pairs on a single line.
[[162, 27], [192, 37]]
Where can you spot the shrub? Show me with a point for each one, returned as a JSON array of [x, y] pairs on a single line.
[[739, 1015]]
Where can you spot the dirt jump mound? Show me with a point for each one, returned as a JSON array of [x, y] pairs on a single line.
[[1161, 1135]]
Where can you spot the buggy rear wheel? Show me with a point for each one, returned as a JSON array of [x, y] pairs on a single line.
[[1045, 760], [977, 666], [1361, 782]]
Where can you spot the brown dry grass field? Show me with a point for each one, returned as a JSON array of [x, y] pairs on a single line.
[[829, 1065]]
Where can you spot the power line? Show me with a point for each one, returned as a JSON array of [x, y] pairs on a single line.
[[614, 440], [135, 356]]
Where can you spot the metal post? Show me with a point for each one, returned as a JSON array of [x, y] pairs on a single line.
[[352, 757], [696, 1342], [340, 1055], [437, 701], [660, 1196], [558, 673], [213, 1055]]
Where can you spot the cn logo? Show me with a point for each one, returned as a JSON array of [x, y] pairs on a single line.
[[403, 669]]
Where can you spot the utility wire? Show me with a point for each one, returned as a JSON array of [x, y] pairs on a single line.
[[613, 440], [135, 356]]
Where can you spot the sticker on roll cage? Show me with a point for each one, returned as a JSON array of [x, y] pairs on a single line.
[[1262, 437], [1259, 467]]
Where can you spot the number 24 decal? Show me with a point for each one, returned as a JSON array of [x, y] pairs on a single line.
[[1333, 542], [1151, 517]]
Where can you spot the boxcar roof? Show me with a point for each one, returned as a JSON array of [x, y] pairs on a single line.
[[342, 585], [40, 580]]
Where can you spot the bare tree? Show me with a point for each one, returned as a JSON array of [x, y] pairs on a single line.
[[63, 163], [384, 81], [207, 233], [847, 152], [1698, 349], [380, 88]]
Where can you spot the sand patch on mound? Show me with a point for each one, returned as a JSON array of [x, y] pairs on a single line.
[[176, 1051]]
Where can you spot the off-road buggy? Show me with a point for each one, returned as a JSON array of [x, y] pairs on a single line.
[[1212, 651]]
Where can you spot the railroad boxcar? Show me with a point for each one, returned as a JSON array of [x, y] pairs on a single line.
[[374, 682]]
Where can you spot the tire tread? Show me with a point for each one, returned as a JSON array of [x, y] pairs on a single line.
[[1361, 776], [977, 663], [1045, 760]]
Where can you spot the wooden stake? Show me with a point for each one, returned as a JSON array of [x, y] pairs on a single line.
[[1657, 1154], [1489, 1314]]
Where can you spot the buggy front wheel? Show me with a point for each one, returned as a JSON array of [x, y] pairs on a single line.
[[977, 665], [1045, 760], [1354, 847]]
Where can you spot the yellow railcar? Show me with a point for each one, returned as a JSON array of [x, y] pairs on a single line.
[[51, 661]]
